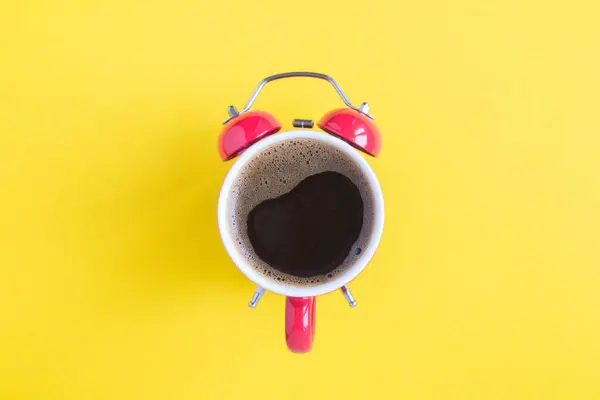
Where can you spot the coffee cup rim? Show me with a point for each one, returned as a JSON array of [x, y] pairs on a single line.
[[286, 289]]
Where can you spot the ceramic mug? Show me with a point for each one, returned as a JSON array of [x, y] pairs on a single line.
[[301, 300]]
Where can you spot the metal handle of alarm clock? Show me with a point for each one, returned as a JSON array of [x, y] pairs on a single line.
[[363, 108]]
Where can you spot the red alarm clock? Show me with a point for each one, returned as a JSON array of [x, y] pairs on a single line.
[[287, 158]]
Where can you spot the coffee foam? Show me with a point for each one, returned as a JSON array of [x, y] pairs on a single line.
[[276, 170]]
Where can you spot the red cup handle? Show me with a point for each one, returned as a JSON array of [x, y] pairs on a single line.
[[300, 323]]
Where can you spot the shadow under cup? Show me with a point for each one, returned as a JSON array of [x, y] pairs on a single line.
[[272, 168]]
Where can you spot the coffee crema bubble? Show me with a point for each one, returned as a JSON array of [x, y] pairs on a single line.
[[275, 171]]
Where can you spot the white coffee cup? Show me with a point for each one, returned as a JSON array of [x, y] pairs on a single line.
[[300, 304]]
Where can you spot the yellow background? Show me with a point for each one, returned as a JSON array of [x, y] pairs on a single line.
[[113, 280]]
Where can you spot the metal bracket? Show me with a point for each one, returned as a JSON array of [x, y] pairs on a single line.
[[363, 108], [348, 296], [258, 294]]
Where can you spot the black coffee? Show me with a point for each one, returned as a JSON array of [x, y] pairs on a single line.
[[277, 173], [310, 230]]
